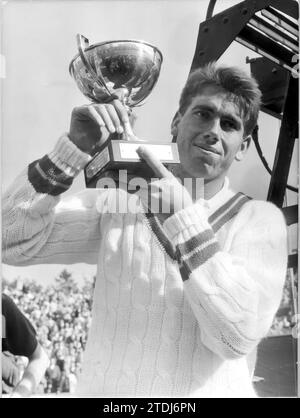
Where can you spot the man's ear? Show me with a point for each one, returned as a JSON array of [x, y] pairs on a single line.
[[243, 148], [174, 125]]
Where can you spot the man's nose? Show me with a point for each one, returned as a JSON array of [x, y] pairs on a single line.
[[212, 133]]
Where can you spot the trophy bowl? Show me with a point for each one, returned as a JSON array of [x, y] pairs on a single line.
[[126, 68]]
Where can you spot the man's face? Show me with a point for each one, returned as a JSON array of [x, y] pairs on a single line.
[[209, 134]]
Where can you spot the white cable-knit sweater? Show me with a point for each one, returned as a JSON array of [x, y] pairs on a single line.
[[177, 307]]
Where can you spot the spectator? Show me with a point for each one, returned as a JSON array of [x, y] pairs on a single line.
[[54, 375], [19, 339]]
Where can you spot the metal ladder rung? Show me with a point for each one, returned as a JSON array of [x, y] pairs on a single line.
[[266, 44], [274, 33], [266, 55], [293, 37], [280, 20], [283, 16]]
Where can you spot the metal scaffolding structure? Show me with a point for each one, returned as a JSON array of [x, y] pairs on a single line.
[[269, 28]]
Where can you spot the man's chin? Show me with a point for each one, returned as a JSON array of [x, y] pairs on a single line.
[[199, 170], [206, 172]]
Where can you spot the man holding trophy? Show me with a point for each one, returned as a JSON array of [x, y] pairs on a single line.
[[182, 295]]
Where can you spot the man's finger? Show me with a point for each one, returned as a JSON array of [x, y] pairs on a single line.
[[121, 110], [115, 118], [159, 169], [95, 116], [101, 109], [123, 115]]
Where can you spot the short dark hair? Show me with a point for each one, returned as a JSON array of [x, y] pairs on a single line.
[[242, 88]]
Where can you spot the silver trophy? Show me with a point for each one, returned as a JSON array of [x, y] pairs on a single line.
[[127, 70]]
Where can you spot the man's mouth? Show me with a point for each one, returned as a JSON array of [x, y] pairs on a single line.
[[207, 148]]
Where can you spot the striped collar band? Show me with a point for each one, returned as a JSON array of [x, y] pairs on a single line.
[[219, 198]]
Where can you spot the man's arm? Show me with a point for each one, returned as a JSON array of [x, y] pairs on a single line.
[[33, 374], [39, 228], [234, 291]]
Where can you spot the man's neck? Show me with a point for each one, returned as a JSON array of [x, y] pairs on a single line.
[[211, 187]]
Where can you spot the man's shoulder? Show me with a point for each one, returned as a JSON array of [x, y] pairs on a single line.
[[261, 210]]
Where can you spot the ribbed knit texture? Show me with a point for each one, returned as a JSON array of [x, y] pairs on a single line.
[[159, 329]]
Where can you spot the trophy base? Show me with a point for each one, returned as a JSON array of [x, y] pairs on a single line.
[[117, 155]]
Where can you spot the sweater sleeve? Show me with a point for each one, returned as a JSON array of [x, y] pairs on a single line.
[[234, 291], [39, 227]]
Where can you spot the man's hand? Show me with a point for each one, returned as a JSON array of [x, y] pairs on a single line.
[[165, 196], [91, 125]]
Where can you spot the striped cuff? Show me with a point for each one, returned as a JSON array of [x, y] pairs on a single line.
[[54, 173], [195, 252], [194, 239], [193, 218], [194, 235], [68, 157]]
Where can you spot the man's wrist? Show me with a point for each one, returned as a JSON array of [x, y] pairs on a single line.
[[81, 144], [54, 173], [190, 219], [68, 156]]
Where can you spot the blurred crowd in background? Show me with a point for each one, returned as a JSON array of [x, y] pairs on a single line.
[[61, 315], [285, 318]]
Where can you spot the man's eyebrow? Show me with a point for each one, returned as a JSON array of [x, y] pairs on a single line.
[[203, 106], [211, 108], [234, 118]]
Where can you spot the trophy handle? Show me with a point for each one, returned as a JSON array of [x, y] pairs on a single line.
[[82, 44]]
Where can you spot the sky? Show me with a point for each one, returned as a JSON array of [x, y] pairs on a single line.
[[38, 94]]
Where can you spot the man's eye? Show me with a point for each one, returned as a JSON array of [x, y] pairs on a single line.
[[202, 114], [228, 125]]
